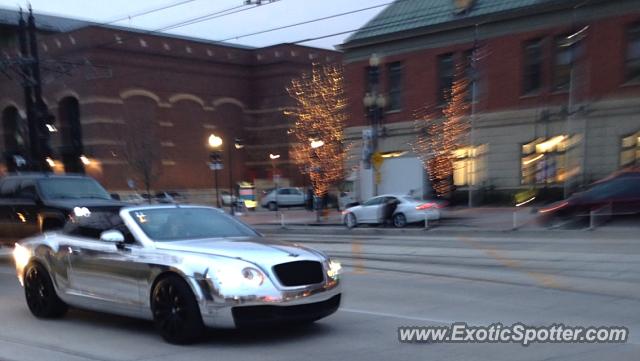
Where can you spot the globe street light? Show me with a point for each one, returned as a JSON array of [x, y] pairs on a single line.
[[215, 142]]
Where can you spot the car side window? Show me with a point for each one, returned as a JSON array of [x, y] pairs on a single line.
[[373, 201], [283, 191], [9, 188], [92, 227]]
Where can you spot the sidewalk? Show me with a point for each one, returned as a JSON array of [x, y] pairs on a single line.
[[486, 218]]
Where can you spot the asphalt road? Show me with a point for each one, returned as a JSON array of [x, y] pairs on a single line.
[[390, 282]]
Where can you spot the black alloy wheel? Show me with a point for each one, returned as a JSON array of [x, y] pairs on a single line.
[[175, 311], [42, 300]]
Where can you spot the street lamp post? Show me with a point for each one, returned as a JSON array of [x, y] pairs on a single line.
[[215, 142], [375, 103], [237, 144], [273, 158], [315, 145]]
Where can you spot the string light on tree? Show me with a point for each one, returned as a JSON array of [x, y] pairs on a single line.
[[318, 130], [440, 133]]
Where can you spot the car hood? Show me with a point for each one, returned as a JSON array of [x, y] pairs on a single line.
[[90, 203], [259, 250]]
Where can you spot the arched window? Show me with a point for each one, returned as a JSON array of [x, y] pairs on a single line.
[[71, 147], [15, 136]]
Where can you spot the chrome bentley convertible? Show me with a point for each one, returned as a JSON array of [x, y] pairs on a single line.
[[184, 267]]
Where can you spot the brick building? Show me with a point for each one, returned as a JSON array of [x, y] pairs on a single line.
[[111, 86], [557, 100]]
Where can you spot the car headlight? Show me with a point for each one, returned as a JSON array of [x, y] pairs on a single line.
[[335, 269], [248, 276], [21, 256]]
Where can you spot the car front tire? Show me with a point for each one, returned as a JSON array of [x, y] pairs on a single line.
[[273, 206], [41, 297], [175, 311], [350, 221]]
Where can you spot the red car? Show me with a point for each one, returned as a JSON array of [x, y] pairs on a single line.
[[618, 194]]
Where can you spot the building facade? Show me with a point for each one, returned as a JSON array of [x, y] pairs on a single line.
[[554, 91], [124, 97]]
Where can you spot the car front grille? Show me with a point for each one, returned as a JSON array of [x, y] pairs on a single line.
[[256, 316], [299, 273]]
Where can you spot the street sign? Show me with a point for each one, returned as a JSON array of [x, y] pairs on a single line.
[[216, 166], [377, 160]]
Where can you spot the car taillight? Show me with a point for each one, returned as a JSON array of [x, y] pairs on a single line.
[[555, 207], [424, 206]]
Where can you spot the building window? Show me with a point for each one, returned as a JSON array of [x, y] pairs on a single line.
[[630, 153], [532, 70], [566, 52], [469, 165], [632, 65], [471, 72], [445, 77], [543, 160], [394, 72]]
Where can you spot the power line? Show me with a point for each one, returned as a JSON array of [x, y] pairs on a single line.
[[307, 22], [150, 11]]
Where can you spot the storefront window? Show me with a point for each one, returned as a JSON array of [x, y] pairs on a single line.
[[630, 154], [468, 165], [544, 161]]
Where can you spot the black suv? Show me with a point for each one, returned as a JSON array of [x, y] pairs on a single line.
[[35, 202]]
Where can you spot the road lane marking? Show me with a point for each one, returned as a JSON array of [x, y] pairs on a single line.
[[393, 315], [356, 252], [541, 278]]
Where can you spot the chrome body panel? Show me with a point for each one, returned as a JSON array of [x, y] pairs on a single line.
[[97, 275]]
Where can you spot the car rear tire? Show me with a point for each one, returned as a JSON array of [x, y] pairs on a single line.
[[175, 311], [350, 221], [399, 220], [41, 297], [273, 206]]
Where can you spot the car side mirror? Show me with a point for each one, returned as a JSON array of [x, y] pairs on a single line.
[[112, 236]]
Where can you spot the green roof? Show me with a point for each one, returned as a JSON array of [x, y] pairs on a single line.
[[404, 15]]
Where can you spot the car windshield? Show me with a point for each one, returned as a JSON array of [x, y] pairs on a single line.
[[175, 224], [72, 188]]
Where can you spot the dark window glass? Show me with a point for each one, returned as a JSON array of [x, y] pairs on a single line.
[[633, 54], [532, 70], [563, 62], [445, 77], [175, 224], [9, 188], [27, 190], [72, 188], [284, 191], [93, 225], [394, 72], [373, 201]]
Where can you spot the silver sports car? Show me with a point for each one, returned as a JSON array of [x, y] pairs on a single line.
[[184, 267]]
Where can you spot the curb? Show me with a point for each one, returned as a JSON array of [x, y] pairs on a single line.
[[443, 231]]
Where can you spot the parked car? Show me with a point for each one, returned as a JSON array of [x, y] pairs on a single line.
[[168, 197], [283, 197], [226, 198], [618, 194], [184, 267], [408, 210], [35, 202], [134, 198]]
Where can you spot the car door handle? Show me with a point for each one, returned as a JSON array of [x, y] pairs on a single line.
[[74, 250]]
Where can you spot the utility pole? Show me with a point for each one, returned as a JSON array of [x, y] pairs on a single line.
[[39, 119]]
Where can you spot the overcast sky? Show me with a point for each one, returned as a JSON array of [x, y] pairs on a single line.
[[270, 15]]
